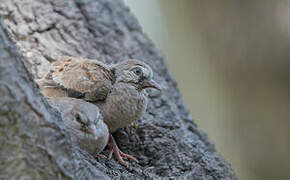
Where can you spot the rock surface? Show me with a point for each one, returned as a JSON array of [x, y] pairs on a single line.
[[34, 144]]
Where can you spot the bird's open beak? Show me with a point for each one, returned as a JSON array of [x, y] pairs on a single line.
[[150, 84]]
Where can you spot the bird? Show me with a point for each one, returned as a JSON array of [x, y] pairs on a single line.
[[84, 122], [118, 90]]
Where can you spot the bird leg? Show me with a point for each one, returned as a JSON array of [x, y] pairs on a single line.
[[119, 154]]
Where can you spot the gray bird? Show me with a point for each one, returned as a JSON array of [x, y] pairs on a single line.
[[84, 122], [118, 90]]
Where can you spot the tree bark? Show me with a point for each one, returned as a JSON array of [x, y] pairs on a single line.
[[34, 143]]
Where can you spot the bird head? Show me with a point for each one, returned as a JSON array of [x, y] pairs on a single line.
[[84, 121], [136, 73]]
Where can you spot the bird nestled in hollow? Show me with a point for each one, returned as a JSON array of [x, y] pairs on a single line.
[[118, 90], [84, 122]]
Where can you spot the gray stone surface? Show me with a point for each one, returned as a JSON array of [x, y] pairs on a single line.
[[34, 144]]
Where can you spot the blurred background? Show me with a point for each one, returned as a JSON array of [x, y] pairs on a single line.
[[232, 63]]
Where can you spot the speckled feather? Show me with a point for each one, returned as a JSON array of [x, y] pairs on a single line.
[[90, 77]]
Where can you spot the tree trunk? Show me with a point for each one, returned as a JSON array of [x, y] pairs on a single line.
[[34, 144]]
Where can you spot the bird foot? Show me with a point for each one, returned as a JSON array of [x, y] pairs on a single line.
[[119, 154]]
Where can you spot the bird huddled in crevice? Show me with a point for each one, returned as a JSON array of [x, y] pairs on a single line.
[[117, 90], [84, 122]]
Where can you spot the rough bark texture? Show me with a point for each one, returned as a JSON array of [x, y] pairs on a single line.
[[34, 144]]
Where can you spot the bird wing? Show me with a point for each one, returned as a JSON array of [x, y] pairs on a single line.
[[79, 76]]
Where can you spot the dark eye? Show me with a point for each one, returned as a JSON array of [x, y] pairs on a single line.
[[137, 71], [78, 117]]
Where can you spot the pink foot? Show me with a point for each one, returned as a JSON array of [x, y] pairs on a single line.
[[119, 154]]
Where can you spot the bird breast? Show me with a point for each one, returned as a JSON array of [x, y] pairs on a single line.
[[123, 105]]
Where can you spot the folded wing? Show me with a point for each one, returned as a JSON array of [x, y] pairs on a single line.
[[80, 78]]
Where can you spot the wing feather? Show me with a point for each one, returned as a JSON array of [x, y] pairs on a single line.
[[90, 77]]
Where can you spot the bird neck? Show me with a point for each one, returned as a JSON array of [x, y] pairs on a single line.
[[131, 85]]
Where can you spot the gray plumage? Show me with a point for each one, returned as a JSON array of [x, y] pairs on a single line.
[[118, 90], [123, 105], [84, 123]]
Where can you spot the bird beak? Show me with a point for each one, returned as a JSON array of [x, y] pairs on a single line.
[[150, 84], [92, 129]]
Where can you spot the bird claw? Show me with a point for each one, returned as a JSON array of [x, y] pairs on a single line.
[[119, 154], [128, 156]]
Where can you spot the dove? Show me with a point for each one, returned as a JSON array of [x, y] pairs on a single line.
[[118, 90], [84, 122]]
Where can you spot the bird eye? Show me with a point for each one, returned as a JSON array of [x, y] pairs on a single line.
[[78, 117], [137, 71]]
